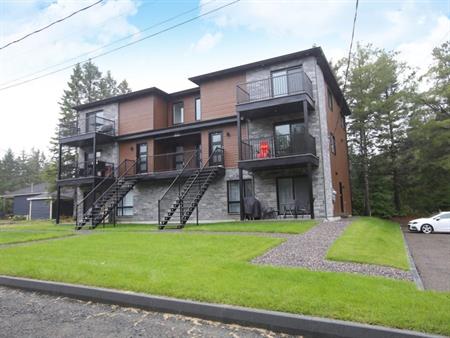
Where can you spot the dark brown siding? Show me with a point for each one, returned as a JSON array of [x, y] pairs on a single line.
[[136, 115], [189, 108], [127, 150], [160, 113], [219, 97], [339, 162], [229, 143]]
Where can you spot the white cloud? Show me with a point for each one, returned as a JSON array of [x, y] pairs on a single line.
[[284, 17], [28, 113], [417, 53], [207, 42]]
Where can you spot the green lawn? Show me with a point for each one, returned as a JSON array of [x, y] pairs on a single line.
[[10, 237], [288, 227], [371, 240], [216, 268]]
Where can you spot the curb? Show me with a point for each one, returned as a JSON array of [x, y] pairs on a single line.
[[270, 320], [414, 271]]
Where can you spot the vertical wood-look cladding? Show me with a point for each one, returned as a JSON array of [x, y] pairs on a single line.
[[136, 115], [160, 112], [339, 162], [229, 134], [189, 108], [219, 96]]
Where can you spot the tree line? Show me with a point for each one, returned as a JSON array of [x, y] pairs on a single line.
[[398, 133]]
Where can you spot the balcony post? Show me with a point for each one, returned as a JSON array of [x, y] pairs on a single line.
[[58, 189], [306, 123], [241, 190], [310, 188]]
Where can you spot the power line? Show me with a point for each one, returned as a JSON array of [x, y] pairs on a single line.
[[348, 60], [351, 46], [7, 83], [70, 33], [123, 46], [49, 25]]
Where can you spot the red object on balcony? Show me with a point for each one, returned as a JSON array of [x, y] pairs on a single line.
[[263, 149]]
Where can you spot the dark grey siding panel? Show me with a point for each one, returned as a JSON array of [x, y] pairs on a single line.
[[40, 209], [21, 205]]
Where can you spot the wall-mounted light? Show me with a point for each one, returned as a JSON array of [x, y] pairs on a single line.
[[131, 148], [228, 133]]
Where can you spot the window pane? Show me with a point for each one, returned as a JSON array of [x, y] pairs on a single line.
[[234, 207], [282, 129], [178, 113], [279, 83], [128, 199], [127, 212], [233, 191], [198, 109], [285, 193]]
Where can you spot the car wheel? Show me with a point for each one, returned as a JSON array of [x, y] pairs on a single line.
[[426, 229]]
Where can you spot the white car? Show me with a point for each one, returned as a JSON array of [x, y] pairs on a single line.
[[437, 223]]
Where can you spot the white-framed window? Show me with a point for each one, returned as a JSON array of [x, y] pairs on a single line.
[[125, 207], [198, 109], [178, 113]]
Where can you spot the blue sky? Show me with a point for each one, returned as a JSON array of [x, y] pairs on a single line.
[[244, 32]]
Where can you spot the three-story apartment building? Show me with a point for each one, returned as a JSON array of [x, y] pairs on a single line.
[[272, 129]]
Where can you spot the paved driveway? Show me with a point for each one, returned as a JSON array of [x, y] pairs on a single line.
[[28, 314], [431, 253]]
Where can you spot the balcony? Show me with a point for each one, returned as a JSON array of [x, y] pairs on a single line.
[[278, 151], [84, 171], [79, 131], [274, 91], [168, 165]]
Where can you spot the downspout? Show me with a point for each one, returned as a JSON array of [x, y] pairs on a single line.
[[321, 144]]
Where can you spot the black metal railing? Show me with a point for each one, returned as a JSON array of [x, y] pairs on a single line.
[[170, 161], [86, 169], [86, 125], [276, 86], [177, 187], [125, 168], [277, 146]]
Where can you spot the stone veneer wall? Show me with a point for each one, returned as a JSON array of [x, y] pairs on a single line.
[[212, 207], [322, 185], [109, 152]]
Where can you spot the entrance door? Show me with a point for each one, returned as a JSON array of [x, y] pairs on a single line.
[[293, 193], [216, 141], [289, 138], [141, 155]]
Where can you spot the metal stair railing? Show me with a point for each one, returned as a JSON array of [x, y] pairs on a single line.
[[172, 187], [179, 203], [120, 172]]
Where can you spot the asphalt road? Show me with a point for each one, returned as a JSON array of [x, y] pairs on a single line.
[[29, 314], [431, 254]]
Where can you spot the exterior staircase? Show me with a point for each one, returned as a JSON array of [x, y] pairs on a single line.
[[112, 190], [190, 191]]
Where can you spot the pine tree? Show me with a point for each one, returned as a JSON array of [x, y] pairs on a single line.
[[86, 85]]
